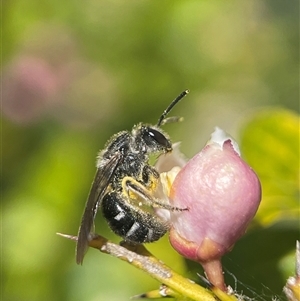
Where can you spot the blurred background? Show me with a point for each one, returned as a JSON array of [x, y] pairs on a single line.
[[74, 73]]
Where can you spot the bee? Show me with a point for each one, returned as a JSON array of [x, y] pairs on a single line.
[[125, 182]]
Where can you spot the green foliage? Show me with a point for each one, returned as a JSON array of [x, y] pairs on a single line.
[[270, 144]]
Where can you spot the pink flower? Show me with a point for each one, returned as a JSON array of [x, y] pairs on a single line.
[[223, 194]]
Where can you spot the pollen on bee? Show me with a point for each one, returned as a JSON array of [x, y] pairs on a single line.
[[167, 179]]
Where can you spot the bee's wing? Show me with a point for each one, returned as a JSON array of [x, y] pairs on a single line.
[[102, 179]]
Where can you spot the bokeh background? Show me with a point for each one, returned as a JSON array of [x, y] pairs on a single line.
[[76, 72]]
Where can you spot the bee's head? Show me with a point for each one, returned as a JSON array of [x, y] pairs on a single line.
[[151, 139]]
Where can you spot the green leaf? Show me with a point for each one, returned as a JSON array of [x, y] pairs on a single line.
[[270, 145]]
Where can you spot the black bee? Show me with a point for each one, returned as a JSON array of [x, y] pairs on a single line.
[[124, 182]]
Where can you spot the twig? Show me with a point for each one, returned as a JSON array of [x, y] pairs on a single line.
[[141, 258]]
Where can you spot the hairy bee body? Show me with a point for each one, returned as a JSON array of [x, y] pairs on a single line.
[[131, 223], [125, 184], [120, 207]]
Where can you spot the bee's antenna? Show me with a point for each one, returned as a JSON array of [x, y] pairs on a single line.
[[170, 107]]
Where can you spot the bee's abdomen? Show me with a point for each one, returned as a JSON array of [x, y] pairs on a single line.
[[132, 224]]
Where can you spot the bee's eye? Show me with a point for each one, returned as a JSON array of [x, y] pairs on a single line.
[[159, 138]]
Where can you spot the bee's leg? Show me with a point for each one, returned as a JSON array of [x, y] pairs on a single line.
[[151, 179], [136, 190]]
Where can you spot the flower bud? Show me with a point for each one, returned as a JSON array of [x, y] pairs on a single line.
[[222, 194]]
